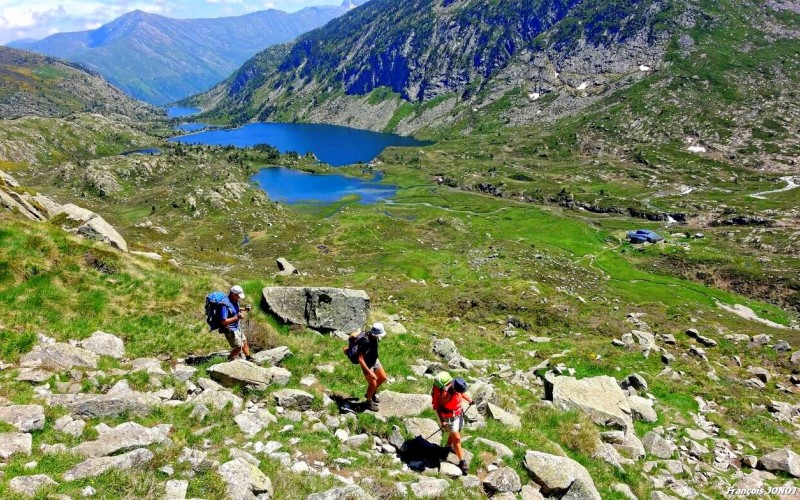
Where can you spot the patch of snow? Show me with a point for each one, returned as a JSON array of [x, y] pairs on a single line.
[[790, 184], [644, 68], [534, 96], [583, 86], [685, 190], [697, 149]]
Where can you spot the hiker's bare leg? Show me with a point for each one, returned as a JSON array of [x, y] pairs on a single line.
[[234, 353], [372, 382], [246, 349], [382, 378], [455, 443]]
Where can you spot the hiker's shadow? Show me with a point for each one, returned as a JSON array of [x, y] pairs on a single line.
[[420, 454], [349, 404]]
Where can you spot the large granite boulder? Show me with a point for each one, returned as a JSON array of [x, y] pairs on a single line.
[[104, 344], [398, 404], [272, 357], [99, 230], [250, 375], [118, 400], [59, 357], [123, 437], [25, 418], [322, 309], [600, 398], [244, 481], [94, 467], [502, 480], [560, 477], [784, 460], [293, 399]]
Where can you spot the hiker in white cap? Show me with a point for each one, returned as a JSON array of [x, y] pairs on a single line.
[[363, 351], [230, 314]]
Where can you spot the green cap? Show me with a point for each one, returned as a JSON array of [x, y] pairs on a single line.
[[442, 379]]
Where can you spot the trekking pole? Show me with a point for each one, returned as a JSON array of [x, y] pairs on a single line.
[[435, 433]]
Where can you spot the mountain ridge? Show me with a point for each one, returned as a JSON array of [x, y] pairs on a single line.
[[161, 60]]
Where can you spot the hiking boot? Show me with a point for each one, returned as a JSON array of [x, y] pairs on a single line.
[[372, 406], [250, 359], [464, 467], [375, 398]]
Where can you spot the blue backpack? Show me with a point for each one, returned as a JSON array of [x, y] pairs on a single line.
[[215, 301]]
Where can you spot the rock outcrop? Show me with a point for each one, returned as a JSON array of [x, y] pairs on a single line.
[[560, 477], [322, 309], [239, 372], [600, 398]]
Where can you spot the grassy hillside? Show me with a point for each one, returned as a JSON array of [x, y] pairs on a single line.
[[34, 85]]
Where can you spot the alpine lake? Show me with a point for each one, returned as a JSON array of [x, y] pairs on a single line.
[[331, 144]]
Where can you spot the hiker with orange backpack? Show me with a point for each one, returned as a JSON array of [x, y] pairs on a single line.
[[448, 396]]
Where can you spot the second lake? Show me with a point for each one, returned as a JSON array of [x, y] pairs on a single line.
[[291, 186], [332, 144]]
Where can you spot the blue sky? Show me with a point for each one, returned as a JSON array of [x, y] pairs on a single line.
[[39, 18]]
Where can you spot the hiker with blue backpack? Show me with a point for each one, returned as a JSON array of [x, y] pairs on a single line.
[[224, 313], [362, 350]]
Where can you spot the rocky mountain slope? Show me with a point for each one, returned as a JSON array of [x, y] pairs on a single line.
[[369, 66], [35, 85], [161, 60]]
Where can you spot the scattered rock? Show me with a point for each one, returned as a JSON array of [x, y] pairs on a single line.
[[397, 404], [531, 492], [59, 357], [561, 477], [11, 443], [30, 485], [251, 422], [504, 479], [293, 399], [760, 373], [350, 492], [625, 490], [95, 466], [783, 346], [323, 309], [449, 470], [123, 437], [175, 489], [244, 481], [600, 398], [429, 488], [421, 426], [104, 344], [240, 372], [657, 446], [272, 357], [635, 381], [118, 400], [507, 418], [642, 409], [783, 460], [25, 418], [285, 268], [219, 399], [500, 449], [706, 341]]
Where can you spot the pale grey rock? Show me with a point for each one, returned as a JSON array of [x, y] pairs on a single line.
[[531, 492], [59, 357], [30, 485], [176, 489], [625, 490], [69, 425], [272, 357], [705, 341], [104, 344], [99, 230], [502, 480], [469, 481], [642, 409], [241, 372], [119, 399], [783, 460], [449, 470], [123, 437], [500, 449], [657, 446], [149, 365], [219, 399], [600, 398], [421, 426], [505, 417], [33, 375], [53, 449], [429, 488], [349, 492], [323, 309], [94, 467], [760, 373], [293, 399], [285, 267], [660, 495], [183, 372], [356, 441], [12, 443], [25, 418], [251, 422], [635, 381], [397, 404], [244, 481], [560, 476]]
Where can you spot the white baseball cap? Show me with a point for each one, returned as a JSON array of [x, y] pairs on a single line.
[[237, 290]]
